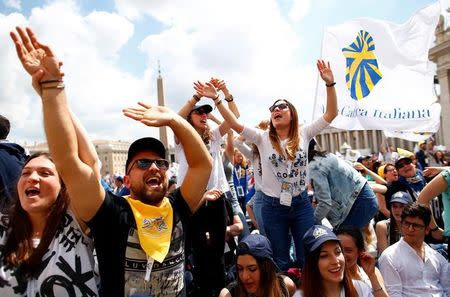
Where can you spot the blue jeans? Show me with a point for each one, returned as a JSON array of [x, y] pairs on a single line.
[[363, 209], [232, 197], [257, 209], [280, 219]]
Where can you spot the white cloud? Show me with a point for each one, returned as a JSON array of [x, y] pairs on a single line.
[[16, 4], [247, 43], [300, 8], [97, 89]]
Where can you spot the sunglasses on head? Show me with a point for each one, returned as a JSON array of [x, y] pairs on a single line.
[[145, 164], [281, 106], [200, 111]]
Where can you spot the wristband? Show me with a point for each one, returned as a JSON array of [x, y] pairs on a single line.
[[50, 81], [330, 85], [229, 99], [196, 97], [218, 102], [215, 98], [57, 86], [377, 290]]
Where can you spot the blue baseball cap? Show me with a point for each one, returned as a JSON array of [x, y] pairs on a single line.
[[316, 236], [257, 246], [401, 197]]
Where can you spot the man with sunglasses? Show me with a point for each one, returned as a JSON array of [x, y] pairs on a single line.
[[140, 239], [410, 267]]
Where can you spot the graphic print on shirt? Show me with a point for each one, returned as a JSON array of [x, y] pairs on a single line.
[[67, 268], [292, 172], [166, 278]]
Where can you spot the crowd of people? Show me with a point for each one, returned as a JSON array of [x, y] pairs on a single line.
[[319, 225]]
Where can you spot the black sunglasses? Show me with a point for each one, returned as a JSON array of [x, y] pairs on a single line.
[[145, 164], [200, 111], [280, 106]]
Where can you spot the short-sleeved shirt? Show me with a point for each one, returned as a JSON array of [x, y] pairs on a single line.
[[123, 263], [67, 268], [217, 178]]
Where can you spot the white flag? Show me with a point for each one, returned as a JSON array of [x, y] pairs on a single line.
[[384, 79]]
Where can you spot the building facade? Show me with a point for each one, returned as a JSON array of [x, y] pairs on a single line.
[[367, 141]]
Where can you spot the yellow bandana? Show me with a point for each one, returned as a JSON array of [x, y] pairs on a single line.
[[154, 226]]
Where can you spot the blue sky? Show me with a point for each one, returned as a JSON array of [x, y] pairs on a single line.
[[263, 49]]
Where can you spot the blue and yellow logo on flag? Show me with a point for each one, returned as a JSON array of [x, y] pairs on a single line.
[[362, 72]]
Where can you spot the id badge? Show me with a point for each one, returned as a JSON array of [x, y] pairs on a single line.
[[286, 196], [240, 191]]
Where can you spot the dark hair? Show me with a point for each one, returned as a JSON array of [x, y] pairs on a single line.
[[293, 140], [268, 280], [417, 210], [5, 126], [312, 151], [172, 180], [312, 284], [353, 232], [206, 135], [439, 160], [385, 169], [18, 249]]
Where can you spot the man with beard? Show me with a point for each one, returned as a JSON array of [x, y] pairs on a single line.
[[140, 239]]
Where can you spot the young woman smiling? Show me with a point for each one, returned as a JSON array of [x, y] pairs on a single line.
[[283, 150]]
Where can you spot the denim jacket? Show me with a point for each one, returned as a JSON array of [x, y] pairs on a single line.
[[336, 186]]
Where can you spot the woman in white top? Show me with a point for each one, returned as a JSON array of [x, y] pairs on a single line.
[[359, 264], [283, 149]]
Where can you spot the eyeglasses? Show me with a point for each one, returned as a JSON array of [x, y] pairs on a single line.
[[145, 164], [280, 106], [200, 111], [414, 226]]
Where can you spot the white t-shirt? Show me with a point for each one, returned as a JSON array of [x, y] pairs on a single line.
[[217, 179], [275, 168], [67, 267], [362, 289]]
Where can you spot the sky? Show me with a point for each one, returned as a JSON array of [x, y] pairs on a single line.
[[262, 49]]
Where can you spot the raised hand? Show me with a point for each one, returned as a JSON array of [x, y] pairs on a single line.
[[205, 90], [36, 56], [325, 71], [212, 195], [154, 116], [367, 263], [219, 84]]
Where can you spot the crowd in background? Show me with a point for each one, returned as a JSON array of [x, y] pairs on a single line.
[[261, 211]]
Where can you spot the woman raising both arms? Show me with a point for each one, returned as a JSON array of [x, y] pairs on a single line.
[[283, 149]]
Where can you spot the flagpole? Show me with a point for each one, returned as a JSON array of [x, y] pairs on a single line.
[[317, 80]]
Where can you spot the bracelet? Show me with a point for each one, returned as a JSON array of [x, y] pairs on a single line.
[[60, 86], [218, 102], [50, 81], [330, 85], [377, 290], [434, 229], [229, 99], [215, 98], [196, 97]]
